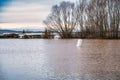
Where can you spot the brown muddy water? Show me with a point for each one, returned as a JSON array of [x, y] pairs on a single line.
[[42, 59]]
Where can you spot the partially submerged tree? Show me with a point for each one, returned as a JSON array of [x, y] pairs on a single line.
[[94, 18], [103, 18], [80, 12], [114, 17], [62, 19], [47, 34], [97, 18]]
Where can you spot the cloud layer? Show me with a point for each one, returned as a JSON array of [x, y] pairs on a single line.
[[26, 11]]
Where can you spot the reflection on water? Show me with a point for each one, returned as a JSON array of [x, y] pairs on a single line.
[[39, 59]]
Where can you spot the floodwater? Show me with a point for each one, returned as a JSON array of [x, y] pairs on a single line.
[[44, 59]]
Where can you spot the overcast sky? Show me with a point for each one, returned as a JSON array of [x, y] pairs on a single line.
[[25, 13]]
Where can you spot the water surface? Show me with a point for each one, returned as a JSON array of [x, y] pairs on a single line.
[[42, 59]]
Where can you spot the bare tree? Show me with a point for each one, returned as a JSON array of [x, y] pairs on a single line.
[[80, 12], [62, 19], [114, 17]]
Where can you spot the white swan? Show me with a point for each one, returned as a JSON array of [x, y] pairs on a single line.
[[79, 42]]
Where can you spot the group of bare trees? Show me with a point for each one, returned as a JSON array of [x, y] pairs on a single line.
[[89, 18]]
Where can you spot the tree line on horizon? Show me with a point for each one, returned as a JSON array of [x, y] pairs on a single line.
[[85, 18]]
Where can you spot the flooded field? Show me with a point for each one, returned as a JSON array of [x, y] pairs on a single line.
[[42, 59]]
